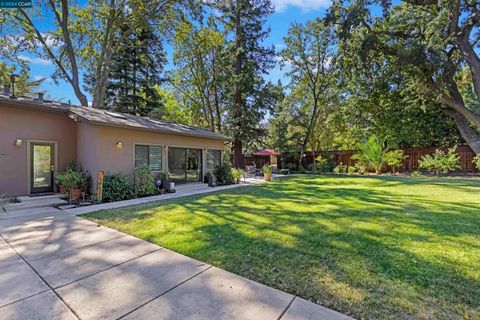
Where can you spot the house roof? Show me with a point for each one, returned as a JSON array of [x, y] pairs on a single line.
[[267, 152], [114, 119]]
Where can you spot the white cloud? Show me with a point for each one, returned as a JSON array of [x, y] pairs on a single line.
[[39, 61], [282, 5]]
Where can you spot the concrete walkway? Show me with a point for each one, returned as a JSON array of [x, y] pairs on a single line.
[[59, 266]]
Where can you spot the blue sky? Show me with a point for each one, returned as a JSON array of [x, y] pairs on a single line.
[[287, 11]]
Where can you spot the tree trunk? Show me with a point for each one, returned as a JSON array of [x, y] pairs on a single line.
[[471, 137], [237, 154], [237, 141]]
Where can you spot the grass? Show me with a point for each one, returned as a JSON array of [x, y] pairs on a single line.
[[370, 247]]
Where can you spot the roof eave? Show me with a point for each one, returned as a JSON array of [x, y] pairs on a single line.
[[116, 125]]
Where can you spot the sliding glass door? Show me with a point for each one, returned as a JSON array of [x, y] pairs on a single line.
[[185, 165]]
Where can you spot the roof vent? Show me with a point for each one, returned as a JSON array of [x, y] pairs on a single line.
[[6, 90]]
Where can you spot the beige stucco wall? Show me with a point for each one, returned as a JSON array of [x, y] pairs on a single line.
[[28, 124], [96, 147]]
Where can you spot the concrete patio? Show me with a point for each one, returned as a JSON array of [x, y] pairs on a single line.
[[55, 265]]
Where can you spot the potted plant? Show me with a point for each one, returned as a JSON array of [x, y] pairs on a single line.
[[237, 174], [267, 172], [72, 181]]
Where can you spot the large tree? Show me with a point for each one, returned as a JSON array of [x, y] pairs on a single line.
[[310, 55], [82, 36], [430, 44], [244, 24], [201, 74], [135, 70]]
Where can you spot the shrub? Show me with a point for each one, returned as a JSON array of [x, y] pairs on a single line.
[[395, 159], [351, 170], [416, 174], [224, 175], [371, 155], [117, 187], [341, 168], [71, 178], [144, 184], [311, 168], [237, 174], [301, 169], [440, 162], [476, 162]]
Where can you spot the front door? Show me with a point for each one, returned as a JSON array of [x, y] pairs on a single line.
[[42, 167]]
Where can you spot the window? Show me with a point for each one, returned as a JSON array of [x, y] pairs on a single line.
[[149, 155], [213, 159]]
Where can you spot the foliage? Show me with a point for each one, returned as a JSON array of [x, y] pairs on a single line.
[[310, 55], [440, 162], [71, 178], [201, 75], [395, 158], [371, 154], [243, 23], [351, 170], [369, 232], [340, 169], [135, 71], [413, 54], [23, 85], [416, 174], [144, 184], [224, 175], [311, 168], [301, 169], [267, 169], [476, 162], [237, 174], [117, 187]]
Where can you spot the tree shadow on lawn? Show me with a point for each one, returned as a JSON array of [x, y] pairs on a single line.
[[363, 251]]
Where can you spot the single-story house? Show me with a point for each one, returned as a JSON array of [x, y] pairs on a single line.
[[39, 138]]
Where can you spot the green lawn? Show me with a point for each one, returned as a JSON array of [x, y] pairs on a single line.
[[371, 247]]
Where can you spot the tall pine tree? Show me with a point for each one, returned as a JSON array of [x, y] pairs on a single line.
[[244, 23], [135, 71]]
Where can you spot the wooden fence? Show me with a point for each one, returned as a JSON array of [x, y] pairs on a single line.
[[288, 160]]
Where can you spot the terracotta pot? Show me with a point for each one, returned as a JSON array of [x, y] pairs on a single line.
[[267, 176], [75, 194], [61, 188]]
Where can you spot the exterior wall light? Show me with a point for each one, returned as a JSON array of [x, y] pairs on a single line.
[[119, 145], [18, 142]]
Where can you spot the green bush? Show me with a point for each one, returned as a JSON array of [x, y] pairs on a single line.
[[416, 174], [351, 170], [144, 184], [476, 162], [71, 178], [117, 187], [224, 175], [371, 155], [237, 174], [440, 162], [311, 168], [301, 169], [395, 159]]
